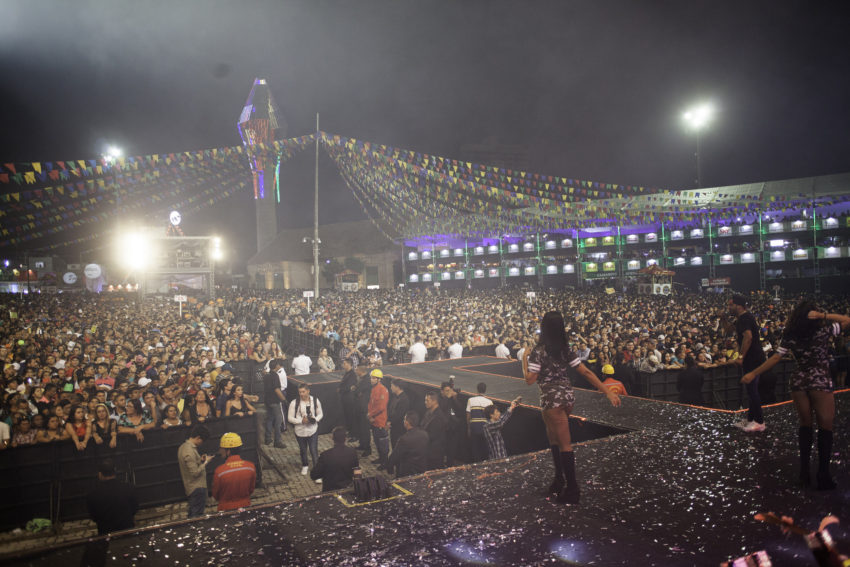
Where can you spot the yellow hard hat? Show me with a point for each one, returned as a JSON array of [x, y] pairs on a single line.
[[231, 441], [376, 373], [607, 369]]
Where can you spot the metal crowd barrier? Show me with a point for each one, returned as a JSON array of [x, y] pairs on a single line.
[[52, 480]]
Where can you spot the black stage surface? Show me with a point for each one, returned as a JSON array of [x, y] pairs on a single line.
[[678, 485]]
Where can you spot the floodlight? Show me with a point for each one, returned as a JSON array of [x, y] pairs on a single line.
[[134, 250], [698, 117]]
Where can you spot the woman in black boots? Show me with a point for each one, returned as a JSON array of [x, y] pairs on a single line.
[[808, 333], [547, 365]]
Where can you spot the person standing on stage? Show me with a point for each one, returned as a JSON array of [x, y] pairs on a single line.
[[235, 480], [751, 356], [807, 336], [547, 364]]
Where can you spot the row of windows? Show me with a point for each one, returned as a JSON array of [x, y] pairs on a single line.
[[649, 237]]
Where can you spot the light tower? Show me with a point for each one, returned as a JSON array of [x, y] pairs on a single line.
[[258, 122]]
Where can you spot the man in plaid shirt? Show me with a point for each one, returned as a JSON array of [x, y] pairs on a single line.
[[493, 429]]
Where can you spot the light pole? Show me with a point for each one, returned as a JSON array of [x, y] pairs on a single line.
[[697, 119]]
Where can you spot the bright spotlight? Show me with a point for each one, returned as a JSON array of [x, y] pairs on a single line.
[[134, 251], [217, 254], [216, 241], [699, 116]]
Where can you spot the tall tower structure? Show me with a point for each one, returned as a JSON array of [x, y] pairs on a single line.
[[259, 122]]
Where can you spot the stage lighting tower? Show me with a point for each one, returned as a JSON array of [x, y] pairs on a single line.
[[697, 119]]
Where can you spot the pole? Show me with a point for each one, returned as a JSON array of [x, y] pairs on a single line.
[[316, 218], [699, 170]]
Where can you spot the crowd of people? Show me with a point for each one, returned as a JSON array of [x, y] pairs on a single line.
[[69, 359], [89, 369]]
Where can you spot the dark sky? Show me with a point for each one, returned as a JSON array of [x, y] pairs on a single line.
[[594, 89]]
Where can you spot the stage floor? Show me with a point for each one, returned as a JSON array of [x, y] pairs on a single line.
[[680, 488]]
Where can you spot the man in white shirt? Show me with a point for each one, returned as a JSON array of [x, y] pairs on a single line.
[[455, 350], [301, 364], [521, 352], [418, 351], [502, 351], [475, 421]]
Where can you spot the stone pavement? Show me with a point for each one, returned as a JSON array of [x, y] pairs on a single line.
[[282, 481]]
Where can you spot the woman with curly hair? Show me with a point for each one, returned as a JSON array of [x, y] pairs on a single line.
[[807, 336]]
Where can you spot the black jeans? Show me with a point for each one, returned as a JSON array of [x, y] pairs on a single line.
[[754, 412]]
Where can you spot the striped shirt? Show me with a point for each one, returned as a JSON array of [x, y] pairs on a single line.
[[475, 408]]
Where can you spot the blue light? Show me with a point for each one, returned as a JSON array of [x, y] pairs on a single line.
[[466, 553], [572, 552]]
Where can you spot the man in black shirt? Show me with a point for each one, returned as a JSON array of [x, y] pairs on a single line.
[[112, 504], [435, 423], [751, 355], [273, 396], [362, 393], [337, 465], [410, 454], [346, 389], [399, 406], [455, 411]]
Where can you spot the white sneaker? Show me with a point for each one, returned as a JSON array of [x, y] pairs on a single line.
[[754, 426], [304, 471], [318, 481]]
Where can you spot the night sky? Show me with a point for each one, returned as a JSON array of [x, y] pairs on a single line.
[[595, 90]]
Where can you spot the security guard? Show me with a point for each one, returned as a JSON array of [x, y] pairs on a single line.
[[611, 383], [234, 481]]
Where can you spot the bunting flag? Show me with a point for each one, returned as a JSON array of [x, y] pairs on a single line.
[[405, 193], [71, 194]]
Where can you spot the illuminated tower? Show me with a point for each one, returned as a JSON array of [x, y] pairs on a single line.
[[259, 121]]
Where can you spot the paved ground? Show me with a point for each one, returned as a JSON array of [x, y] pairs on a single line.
[[282, 482]]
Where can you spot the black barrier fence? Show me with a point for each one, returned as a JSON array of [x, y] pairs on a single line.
[[722, 387], [52, 480]]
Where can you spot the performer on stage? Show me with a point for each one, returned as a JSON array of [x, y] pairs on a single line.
[[547, 364], [751, 356], [807, 335]]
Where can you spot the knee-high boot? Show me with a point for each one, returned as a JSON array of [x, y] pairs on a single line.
[[570, 493], [557, 484], [805, 435], [825, 481]]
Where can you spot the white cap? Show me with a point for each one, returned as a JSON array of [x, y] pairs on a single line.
[[144, 381], [219, 364]]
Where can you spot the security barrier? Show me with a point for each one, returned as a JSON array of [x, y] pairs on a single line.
[[52, 480]]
